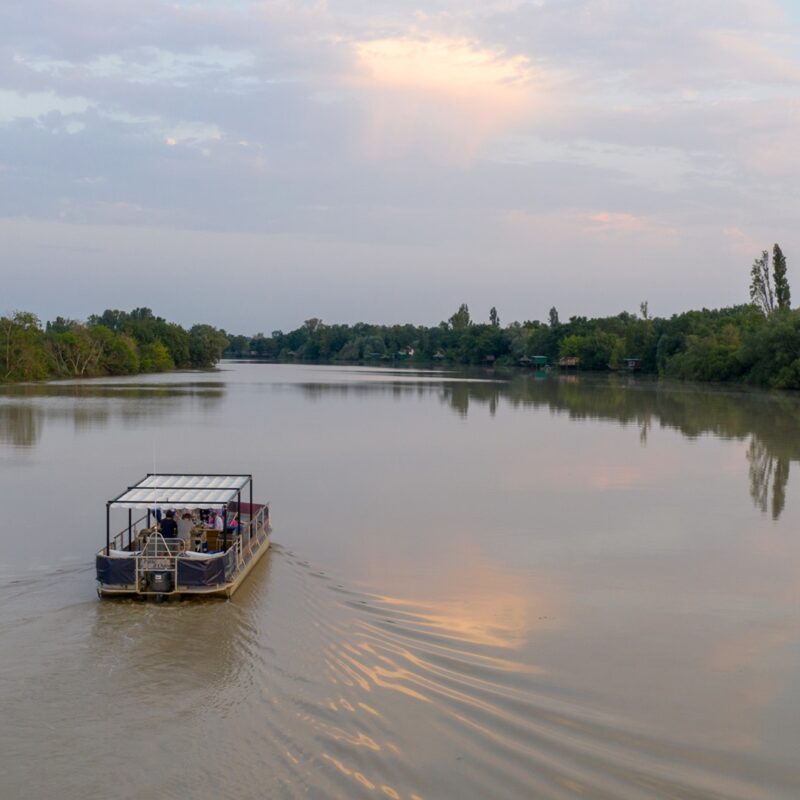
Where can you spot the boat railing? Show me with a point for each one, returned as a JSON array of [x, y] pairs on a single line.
[[158, 554], [158, 546], [253, 533], [231, 562], [155, 553], [132, 531]]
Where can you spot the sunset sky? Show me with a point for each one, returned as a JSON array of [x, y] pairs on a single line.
[[253, 164]]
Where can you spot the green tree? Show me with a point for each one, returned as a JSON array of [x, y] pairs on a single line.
[[460, 321], [617, 352], [113, 319], [571, 346], [494, 319], [154, 357], [206, 345], [176, 340], [771, 354], [553, 315], [77, 350], [713, 357], [782, 293], [120, 354], [761, 292], [23, 355]]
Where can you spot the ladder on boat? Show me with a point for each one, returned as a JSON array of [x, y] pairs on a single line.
[[157, 556]]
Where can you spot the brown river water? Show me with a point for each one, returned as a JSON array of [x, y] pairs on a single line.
[[480, 587]]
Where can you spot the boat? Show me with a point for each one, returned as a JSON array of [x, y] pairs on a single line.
[[203, 561]]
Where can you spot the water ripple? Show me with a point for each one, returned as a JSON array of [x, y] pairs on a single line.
[[304, 687]]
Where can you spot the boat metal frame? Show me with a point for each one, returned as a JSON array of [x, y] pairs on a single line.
[[160, 555]]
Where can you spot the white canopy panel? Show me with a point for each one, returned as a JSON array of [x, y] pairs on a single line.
[[183, 491]]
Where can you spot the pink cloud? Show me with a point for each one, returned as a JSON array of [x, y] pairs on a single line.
[[624, 224], [447, 95]]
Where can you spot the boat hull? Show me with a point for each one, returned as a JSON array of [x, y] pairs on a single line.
[[224, 588]]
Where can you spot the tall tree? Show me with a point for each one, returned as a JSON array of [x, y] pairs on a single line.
[[761, 293], [554, 323], [76, 351], [494, 319], [460, 320], [782, 293], [22, 353]]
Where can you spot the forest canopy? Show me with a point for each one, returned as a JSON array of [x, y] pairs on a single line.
[[113, 343], [756, 342]]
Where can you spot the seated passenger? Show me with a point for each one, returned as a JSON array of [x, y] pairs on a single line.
[[169, 528], [215, 521]]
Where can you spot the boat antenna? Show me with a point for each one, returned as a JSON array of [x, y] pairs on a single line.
[[155, 475]]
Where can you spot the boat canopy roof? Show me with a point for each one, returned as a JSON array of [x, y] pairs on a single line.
[[182, 491]]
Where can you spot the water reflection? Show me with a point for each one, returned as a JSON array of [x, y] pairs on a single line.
[[19, 425], [767, 470], [26, 409], [769, 421]]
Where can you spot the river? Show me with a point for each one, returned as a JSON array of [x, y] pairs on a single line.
[[481, 586]]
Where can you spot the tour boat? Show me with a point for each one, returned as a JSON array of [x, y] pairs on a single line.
[[200, 559]]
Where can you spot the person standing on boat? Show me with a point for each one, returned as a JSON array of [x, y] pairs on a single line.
[[185, 525], [169, 528]]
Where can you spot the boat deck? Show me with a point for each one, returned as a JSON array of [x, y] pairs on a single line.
[[140, 562]]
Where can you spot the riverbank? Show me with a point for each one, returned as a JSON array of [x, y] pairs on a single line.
[[738, 344], [112, 344]]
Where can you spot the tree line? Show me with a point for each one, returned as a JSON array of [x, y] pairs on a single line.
[[113, 343], [756, 342]]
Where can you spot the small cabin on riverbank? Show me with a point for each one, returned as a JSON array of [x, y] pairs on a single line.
[[537, 362], [569, 362], [632, 364]]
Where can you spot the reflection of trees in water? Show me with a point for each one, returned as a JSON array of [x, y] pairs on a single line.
[[95, 405], [19, 426], [770, 421], [644, 429], [767, 469]]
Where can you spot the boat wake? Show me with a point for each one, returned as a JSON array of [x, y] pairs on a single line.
[[302, 686], [400, 698]]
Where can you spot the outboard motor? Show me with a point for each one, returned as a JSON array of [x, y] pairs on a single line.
[[160, 582]]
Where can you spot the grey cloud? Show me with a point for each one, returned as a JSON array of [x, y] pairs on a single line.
[[269, 162]]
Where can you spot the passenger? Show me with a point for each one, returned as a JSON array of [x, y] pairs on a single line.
[[215, 521], [185, 525], [169, 528]]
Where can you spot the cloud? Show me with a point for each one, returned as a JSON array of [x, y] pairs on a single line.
[[448, 66], [33, 105], [447, 95], [503, 148], [624, 225], [742, 243], [750, 58]]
